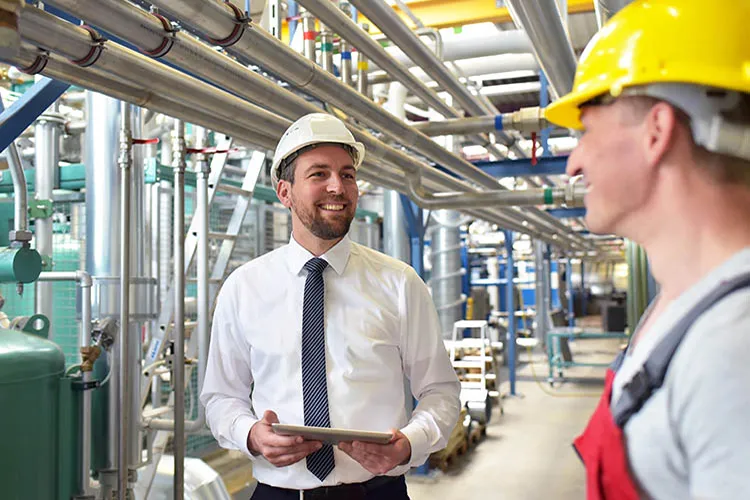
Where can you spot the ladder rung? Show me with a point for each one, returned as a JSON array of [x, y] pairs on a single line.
[[222, 236], [234, 170], [213, 281], [468, 364], [473, 385], [478, 376], [227, 188]]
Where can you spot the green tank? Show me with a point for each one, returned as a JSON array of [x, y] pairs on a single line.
[[38, 419]]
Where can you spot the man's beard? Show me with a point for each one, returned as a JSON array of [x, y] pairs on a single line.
[[322, 228]]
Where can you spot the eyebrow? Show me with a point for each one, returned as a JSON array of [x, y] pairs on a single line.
[[328, 167]]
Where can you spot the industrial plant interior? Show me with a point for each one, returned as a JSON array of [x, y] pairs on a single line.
[[138, 138]]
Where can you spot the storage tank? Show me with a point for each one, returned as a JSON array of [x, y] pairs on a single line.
[[35, 406]]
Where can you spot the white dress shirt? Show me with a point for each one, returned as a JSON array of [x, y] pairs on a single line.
[[383, 344]]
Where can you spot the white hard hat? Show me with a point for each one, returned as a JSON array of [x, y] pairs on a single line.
[[315, 128]]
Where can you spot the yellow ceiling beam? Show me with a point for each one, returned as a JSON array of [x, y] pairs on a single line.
[[454, 13]]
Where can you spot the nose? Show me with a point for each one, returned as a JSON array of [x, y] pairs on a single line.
[[335, 184], [575, 162]]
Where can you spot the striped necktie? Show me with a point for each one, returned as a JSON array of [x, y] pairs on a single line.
[[314, 386]]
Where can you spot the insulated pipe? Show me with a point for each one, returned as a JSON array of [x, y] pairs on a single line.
[[102, 244], [203, 170], [475, 66], [542, 21], [215, 20], [20, 193], [123, 442], [525, 121], [84, 340]]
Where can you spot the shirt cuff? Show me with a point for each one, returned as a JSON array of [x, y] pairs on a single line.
[[241, 431], [420, 443]]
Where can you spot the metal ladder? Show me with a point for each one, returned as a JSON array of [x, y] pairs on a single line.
[[228, 242], [480, 361]]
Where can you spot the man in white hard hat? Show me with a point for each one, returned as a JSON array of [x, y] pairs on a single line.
[[324, 332], [662, 94]]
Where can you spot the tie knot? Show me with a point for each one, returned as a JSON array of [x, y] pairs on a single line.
[[316, 265]]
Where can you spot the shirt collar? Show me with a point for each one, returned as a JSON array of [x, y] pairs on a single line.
[[337, 257]]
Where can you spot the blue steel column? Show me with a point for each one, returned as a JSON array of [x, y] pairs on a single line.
[[569, 292], [510, 269], [22, 113], [583, 289]]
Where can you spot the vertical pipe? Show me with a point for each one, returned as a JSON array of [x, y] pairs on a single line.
[[103, 256], [542, 313], [20, 193], [583, 289], [446, 269], [292, 10], [395, 230], [308, 33], [363, 66], [47, 152], [346, 62], [156, 269], [203, 170], [326, 48], [84, 340], [510, 299], [178, 163], [138, 301], [123, 339]]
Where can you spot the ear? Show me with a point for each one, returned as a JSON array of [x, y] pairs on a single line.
[[660, 128], [284, 193]]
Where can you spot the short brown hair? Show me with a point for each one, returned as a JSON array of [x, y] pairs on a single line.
[[719, 167]]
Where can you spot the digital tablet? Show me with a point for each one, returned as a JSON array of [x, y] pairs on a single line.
[[332, 436]]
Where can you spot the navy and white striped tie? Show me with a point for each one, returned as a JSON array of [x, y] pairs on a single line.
[[314, 386]]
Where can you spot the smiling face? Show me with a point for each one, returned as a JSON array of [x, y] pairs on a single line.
[[322, 196]]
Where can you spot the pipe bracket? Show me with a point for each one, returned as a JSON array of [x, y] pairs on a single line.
[[241, 21], [38, 65], [167, 42], [97, 47]]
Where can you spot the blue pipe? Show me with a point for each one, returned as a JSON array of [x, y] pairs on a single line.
[[569, 279]]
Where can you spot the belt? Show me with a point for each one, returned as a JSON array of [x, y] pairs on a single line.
[[350, 491]]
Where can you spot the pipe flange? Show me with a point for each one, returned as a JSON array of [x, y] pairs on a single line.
[[241, 21], [38, 65], [97, 47], [168, 41]]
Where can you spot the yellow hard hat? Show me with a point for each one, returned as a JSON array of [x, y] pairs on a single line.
[[662, 41]]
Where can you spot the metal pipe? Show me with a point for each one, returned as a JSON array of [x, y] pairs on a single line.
[[139, 301], [569, 195], [258, 46], [215, 20], [541, 20], [178, 163], [125, 162], [102, 247], [47, 157], [346, 62], [446, 269], [326, 48], [203, 170], [362, 64], [605, 9], [84, 340], [308, 31], [20, 193], [510, 300]]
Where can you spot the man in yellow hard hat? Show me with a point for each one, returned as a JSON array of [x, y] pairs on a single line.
[[662, 95]]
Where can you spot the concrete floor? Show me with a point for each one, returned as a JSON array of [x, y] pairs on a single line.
[[527, 454]]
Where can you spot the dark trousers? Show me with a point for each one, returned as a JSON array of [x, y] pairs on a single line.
[[378, 488]]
